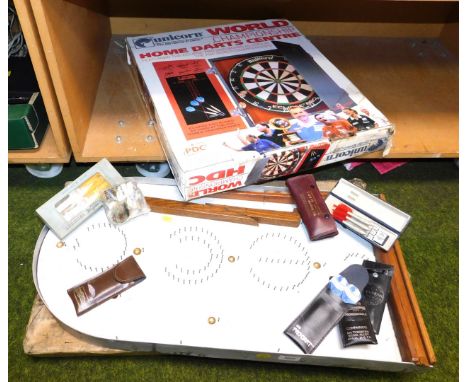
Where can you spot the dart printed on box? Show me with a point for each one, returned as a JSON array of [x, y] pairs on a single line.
[[249, 102]]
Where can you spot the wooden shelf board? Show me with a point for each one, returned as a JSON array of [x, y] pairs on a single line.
[[413, 81], [46, 153], [56, 147]]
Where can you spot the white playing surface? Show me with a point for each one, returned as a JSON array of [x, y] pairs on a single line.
[[251, 281]]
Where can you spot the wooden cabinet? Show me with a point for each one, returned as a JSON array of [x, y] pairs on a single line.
[[55, 147], [403, 55]]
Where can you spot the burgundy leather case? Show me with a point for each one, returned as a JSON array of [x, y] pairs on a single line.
[[106, 285], [311, 206]]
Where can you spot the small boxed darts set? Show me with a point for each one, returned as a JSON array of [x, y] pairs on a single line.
[[366, 215], [246, 103]]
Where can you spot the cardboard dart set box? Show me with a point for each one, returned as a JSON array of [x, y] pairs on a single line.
[[250, 102]]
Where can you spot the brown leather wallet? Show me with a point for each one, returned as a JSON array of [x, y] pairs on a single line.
[[311, 206], [106, 285]]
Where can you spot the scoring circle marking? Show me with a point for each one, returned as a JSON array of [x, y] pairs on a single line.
[[198, 257], [87, 250], [279, 262]]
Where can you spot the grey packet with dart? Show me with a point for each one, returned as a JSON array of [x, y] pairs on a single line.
[[328, 308]]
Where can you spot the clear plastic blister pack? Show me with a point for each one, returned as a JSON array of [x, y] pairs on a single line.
[[124, 202]]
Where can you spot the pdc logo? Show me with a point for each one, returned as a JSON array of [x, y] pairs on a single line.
[[143, 42], [195, 149]]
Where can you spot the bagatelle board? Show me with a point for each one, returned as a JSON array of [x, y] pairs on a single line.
[[214, 289]]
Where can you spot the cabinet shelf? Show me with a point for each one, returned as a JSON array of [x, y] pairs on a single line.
[[408, 68], [120, 127], [46, 153], [55, 147], [413, 81]]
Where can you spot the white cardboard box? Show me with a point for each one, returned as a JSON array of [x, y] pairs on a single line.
[[245, 103]]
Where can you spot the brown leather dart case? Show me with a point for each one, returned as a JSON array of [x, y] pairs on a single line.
[[312, 208], [106, 285]]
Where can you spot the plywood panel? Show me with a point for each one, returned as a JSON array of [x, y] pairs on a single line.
[[45, 336], [46, 153], [414, 82], [75, 40], [450, 31], [56, 146], [119, 128]]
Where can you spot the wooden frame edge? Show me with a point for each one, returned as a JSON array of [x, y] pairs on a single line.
[[415, 344]]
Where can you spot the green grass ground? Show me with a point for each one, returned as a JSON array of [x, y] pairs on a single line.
[[426, 189]]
